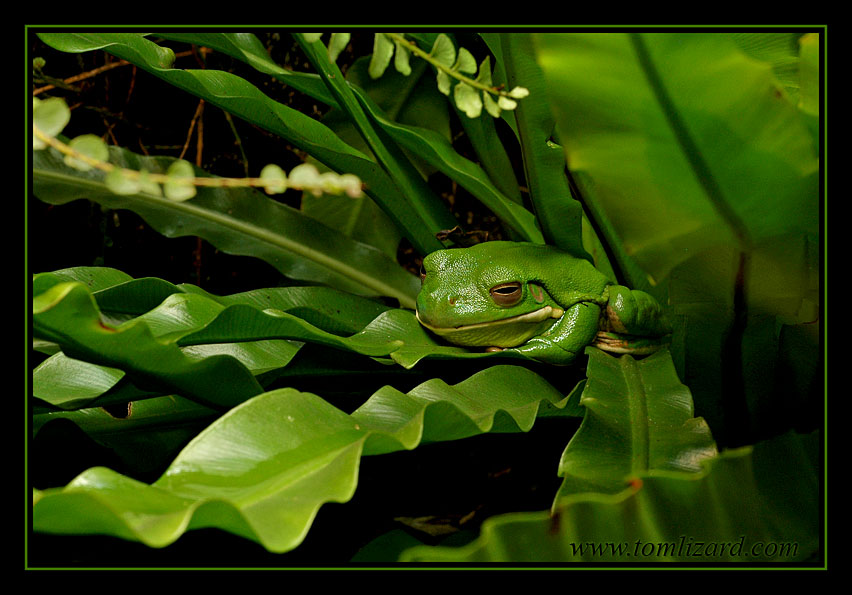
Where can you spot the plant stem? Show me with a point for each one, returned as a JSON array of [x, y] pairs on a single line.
[[412, 47]]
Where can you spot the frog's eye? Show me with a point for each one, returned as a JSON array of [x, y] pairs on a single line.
[[506, 294]]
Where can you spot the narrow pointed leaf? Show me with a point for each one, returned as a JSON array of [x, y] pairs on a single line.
[[418, 194], [558, 212]]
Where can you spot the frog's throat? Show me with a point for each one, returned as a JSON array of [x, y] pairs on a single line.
[[533, 317]]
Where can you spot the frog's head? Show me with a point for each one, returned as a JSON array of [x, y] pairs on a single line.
[[484, 295]]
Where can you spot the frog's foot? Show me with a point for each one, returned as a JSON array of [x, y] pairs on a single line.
[[633, 313], [634, 344]]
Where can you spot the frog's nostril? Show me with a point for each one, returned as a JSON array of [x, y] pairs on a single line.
[[452, 301]]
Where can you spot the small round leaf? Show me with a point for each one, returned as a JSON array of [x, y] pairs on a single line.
[[178, 187], [88, 145], [120, 182], [51, 116], [275, 179]]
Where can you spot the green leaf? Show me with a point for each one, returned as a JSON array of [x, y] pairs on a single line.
[[237, 221], [176, 188], [67, 382], [401, 59], [745, 506], [336, 44], [248, 48], [468, 99], [489, 147], [263, 470], [51, 116], [172, 311], [382, 53], [639, 417], [557, 211], [444, 51], [718, 147], [67, 314], [229, 341], [466, 62], [118, 181], [275, 178], [88, 145], [146, 438], [439, 152]]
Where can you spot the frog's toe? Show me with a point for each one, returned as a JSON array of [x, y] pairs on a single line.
[[618, 343], [493, 349]]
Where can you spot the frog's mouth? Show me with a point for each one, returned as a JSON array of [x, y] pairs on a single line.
[[507, 332]]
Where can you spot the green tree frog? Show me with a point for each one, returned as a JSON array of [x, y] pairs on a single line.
[[534, 299]]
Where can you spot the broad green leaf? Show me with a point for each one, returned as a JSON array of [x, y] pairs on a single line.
[[264, 469], [237, 221], [779, 50], [64, 381], [639, 418], [172, 311], [119, 295], [95, 278], [394, 333], [686, 143], [67, 314], [734, 375], [751, 505], [242, 99]]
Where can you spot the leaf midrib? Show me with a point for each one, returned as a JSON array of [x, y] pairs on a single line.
[[638, 408]]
